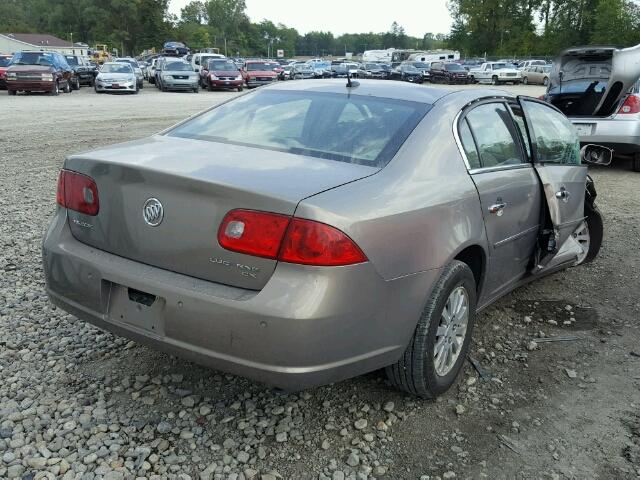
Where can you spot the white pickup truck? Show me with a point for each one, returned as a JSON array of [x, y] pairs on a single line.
[[495, 73]]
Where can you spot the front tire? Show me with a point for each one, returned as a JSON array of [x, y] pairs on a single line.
[[55, 90], [67, 87], [590, 234], [525, 80], [545, 81], [494, 80], [436, 352], [636, 162]]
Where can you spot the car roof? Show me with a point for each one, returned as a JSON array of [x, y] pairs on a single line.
[[375, 88]]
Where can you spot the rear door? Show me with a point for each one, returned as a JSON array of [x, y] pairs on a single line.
[[556, 153], [508, 189]]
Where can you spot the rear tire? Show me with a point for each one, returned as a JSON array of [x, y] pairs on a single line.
[[12, 92], [418, 371], [636, 162], [240, 89], [545, 81]]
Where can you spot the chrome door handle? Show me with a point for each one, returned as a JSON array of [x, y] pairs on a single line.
[[563, 194], [497, 208]]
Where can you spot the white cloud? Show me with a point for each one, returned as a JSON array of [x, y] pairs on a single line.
[[351, 16]]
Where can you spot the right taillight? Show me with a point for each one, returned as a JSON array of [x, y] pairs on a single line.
[[78, 192], [292, 240], [630, 105]]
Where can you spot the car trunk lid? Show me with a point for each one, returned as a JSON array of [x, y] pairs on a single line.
[[594, 80], [197, 182]]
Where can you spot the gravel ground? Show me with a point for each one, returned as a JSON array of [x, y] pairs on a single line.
[[78, 403]]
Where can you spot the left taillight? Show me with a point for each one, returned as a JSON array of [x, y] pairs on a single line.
[[78, 192]]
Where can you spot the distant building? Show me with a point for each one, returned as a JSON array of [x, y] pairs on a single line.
[[15, 42]]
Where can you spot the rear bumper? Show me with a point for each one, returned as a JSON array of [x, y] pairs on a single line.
[[30, 86], [621, 135], [308, 326]]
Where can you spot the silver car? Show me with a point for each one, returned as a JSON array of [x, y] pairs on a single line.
[[136, 69], [308, 232], [116, 77], [598, 88], [177, 75]]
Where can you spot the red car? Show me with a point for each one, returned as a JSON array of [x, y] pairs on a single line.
[[257, 73], [220, 73], [4, 63]]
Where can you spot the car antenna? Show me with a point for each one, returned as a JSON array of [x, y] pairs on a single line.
[[351, 84]]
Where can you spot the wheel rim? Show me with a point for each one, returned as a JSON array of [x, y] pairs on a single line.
[[582, 236], [452, 331]]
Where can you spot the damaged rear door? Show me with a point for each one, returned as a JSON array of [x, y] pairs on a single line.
[[556, 154]]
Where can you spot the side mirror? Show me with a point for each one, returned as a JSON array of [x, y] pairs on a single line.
[[596, 155]]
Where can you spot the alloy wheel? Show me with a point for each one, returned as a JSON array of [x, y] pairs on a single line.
[[582, 236], [452, 331]]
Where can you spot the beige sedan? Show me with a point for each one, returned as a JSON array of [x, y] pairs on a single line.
[[536, 74]]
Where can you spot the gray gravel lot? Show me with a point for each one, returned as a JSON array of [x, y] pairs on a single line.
[[79, 403]]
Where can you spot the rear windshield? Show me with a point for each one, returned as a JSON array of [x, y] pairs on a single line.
[[453, 67], [349, 128], [72, 60]]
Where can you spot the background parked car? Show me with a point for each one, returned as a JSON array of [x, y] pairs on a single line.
[[531, 63], [39, 72], [598, 88], [81, 68], [219, 73], [375, 70], [406, 73], [136, 69], [537, 75], [257, 73], [301, 72], [496, 73], [198, 59], [116, 77], [176, 74], [4, 64], [423, 67], [449, 73], [177, 49]]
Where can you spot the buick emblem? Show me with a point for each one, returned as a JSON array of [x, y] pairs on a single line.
[[153, 212]]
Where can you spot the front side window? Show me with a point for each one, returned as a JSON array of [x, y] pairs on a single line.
[[495, 135], [349, 128], [554, 137]]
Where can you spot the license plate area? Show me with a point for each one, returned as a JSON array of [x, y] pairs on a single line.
[[583, 129], [137, 308]]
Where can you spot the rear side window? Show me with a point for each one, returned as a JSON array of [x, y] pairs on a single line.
[[469, 145], [554, 137], [349, 128], [495, 135]]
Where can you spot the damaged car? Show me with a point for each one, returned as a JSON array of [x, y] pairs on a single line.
[[339, 228], [598, 88]]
